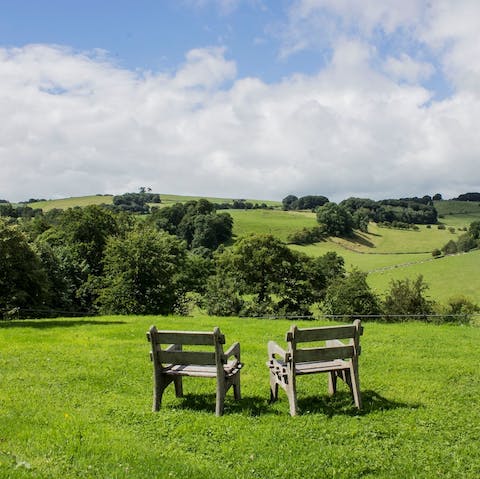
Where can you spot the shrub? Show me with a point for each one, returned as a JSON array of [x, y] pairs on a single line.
[[436, 253], [450, 247], [441, 227], [407, 298], [350, 296], [307, 235], [459, 309]]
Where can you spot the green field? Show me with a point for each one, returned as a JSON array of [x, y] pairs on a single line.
[[167, 200], [65, 203], [276, 222], [446, 277], [75, 401]]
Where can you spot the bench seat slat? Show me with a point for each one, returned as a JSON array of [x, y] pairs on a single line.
[[199, 371], [320, 366]]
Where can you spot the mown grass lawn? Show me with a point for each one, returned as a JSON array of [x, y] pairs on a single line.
[[75, 399]]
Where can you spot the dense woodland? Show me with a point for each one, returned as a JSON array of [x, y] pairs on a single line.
[[134, 257]]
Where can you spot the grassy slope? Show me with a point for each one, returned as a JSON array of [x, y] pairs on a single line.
[[76, 398], [65, 203], [446, 277], [385, 253], [167, 200]]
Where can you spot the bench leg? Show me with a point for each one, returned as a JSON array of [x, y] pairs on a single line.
[[355, 386], [273, 387], [178, 386], [221, 392], [332, 383], [159, 385], [291, 389], [237, 394]]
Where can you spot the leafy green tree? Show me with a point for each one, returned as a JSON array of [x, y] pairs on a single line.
[[350, 296], [77, 244], [405, 298], [289, 201], [143, 273], [307, 235], [466, 242], [23, 282], [474, 229], [450, 247], [263, 266], [211, 230], [459, 309], [260, 262], [222, 296], [336, 219]]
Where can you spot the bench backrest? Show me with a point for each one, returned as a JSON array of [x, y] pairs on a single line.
[[167, 347], [333, 348]]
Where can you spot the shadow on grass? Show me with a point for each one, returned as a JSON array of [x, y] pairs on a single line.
[[57, 323], [255, 405], [341, 404]]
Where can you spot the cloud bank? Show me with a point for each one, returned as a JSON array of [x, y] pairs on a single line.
[[365, 124]]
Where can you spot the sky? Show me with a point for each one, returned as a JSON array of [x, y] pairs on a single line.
[[239, 98]]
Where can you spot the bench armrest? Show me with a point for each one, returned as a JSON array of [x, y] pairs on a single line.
[[233, 350], [275, 349]]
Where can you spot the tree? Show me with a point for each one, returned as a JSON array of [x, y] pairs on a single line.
[[450, 247], [407, 298], [289, 202], [336, 219], [350, 296], [23, 282], [264, 266], [474, 229], [466, 242], [143, 273]]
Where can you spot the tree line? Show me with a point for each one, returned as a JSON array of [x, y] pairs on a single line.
[[97, 260]]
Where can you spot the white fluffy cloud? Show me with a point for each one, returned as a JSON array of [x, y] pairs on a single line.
[[74, 123]]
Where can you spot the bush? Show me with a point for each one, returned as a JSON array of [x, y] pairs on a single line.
[[450, 247], [436, 253], [350, 296], [307, 236], [221, 297], [459, 309], [441, 227], [407, 298]]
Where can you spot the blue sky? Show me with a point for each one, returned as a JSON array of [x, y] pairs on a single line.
[[239, 98], [155, 35]]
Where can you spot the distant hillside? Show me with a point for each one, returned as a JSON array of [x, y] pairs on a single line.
[[167, 200]]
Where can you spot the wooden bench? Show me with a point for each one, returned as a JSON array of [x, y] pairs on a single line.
[[171, 363], [338, 359]]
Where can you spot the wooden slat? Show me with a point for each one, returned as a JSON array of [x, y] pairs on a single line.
[[325, 333], [187, 357], [187, 337], [323, 354], [195, 371], [321, 366]]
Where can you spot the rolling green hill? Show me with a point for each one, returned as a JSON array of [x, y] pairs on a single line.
[[167, 200], [383, 252]]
